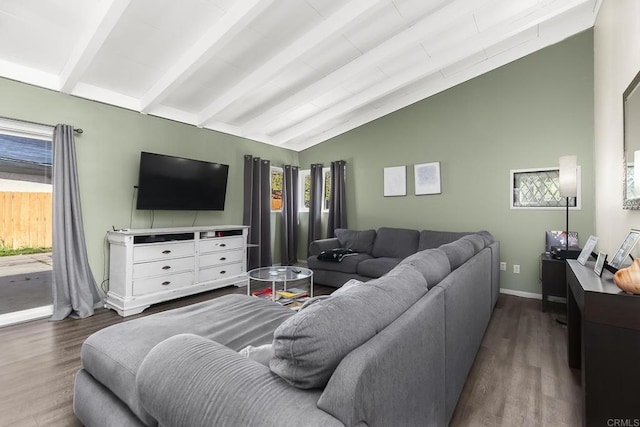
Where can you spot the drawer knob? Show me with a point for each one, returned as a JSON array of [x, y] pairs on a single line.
[[166, 252], [166, 283], [224, 258], [222, 245], [223, 272], [166, 267]]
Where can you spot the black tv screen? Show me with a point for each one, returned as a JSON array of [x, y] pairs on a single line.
[[176, 183]]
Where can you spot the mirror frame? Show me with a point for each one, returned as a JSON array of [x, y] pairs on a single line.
[[635, 202]]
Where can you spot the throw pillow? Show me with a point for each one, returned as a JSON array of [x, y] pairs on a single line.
[[261, 354], [309, 345]]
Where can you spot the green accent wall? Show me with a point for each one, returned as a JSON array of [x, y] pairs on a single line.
[[108, 154], [525, 114]]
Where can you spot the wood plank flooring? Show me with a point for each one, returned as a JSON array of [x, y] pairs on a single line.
[[520, 376]]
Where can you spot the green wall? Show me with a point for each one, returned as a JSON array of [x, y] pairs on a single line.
[[108, 154], [523, 115]]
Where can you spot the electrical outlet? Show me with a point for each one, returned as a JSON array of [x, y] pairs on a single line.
[[503, 266], [516, 268]]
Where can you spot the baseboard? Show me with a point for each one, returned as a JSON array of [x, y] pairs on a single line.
[[520, 293], [26, 315]]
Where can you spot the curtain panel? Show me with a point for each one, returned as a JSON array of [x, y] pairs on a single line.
[[257, 210], [75, 293], [337, 199], [315, 205], [289, 240]]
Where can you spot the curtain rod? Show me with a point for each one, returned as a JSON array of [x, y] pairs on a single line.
[[78, 131]]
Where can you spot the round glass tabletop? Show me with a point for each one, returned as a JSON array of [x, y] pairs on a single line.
[[280, 274]]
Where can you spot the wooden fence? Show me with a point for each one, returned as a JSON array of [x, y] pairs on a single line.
[[25, 219]]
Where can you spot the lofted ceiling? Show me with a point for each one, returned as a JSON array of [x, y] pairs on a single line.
[[291, 73]]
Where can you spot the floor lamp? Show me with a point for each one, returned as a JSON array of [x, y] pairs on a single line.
[[568, 188]]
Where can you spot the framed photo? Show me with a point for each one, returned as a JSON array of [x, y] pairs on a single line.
[[588, 248], [427, 178], [625, 249], [395, 181], [602, 258]]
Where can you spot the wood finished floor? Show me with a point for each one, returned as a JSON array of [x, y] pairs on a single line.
[[520, 375]]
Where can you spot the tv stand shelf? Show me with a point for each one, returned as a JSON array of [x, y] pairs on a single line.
[[148, 266]]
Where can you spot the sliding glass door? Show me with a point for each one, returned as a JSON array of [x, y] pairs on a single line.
[[25, 221]]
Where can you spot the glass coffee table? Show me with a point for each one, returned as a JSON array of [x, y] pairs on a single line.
[[279, 275]]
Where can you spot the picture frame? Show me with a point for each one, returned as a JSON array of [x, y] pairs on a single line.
[[625, 249], [395, 181], [427, 178], [602, 259], [587, 250]]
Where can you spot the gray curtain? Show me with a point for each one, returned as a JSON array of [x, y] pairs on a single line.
[[337, 204], [315, 205], [257, 210], [289, 215], [75, 293]]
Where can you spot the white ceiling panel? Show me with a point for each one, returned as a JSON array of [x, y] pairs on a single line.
[[292, 73]]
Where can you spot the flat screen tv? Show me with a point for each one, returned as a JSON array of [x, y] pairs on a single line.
[[176, 183]]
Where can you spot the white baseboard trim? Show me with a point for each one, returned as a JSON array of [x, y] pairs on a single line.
[[25, 315], [520, 293]]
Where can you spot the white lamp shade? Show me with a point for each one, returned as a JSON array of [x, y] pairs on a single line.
[[568, 176]]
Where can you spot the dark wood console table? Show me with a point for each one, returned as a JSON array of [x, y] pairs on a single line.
[[603, 339]]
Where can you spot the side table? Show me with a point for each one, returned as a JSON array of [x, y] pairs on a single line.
[[553, 277]]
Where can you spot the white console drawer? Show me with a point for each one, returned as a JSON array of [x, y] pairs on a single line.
[[221, 244], [218, 258], [162, 283], [214, 273], [162, 250], [165, 266]]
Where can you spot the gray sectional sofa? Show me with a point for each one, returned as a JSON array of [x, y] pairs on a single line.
[[375, 253], [391, 351]]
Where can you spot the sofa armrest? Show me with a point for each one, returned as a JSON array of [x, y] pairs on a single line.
[[188, 380], [318, 246]]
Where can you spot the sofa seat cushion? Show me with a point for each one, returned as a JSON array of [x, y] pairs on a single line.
[[309, 346], [395, 242], [349, 264], [377, 267], [358, 240], [113, 355], [433, 264], [458, 252]]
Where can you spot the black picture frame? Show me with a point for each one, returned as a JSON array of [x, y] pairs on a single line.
[[600, 262], [625, 249]]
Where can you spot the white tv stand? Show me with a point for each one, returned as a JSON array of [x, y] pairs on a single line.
[[148, 266]]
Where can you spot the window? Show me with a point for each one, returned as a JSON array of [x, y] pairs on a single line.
[[304, 189], [540, 189], [276, 189]]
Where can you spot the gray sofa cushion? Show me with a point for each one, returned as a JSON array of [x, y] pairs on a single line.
[[377, 267], [348, 264], [458, 252], [358, 240], [476, 240], [430, 239], [113, 355], [395, 242], [310, 345], [433, 264]]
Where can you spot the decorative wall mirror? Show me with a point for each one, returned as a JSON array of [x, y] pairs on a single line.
[[631, 106]]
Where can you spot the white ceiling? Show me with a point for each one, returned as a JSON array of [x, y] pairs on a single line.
[[291, 73]]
